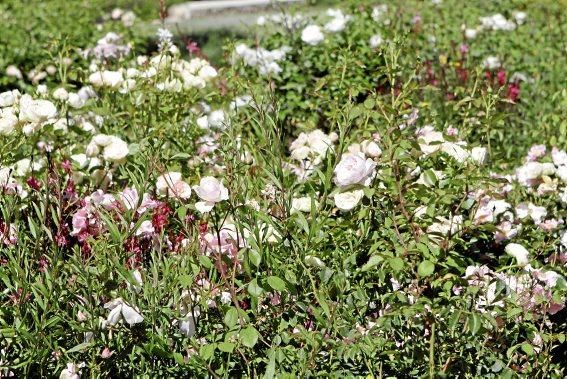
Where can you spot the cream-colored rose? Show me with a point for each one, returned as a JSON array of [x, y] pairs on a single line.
[[346, 201]]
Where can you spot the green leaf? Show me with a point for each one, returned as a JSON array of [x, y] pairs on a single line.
[[180, 156], [185, 280], [181, 213], [205, 261], [178, 358], [231, 317], [255, 257], [206, 352], [372, 262], [271, 368], [426, 268], [249, 336], [276, 283], [80, 347], [254, 289], [227, 347], [527, 348], [397, 264], [475, 322]]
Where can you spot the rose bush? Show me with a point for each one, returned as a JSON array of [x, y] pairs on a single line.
[[373, 190]]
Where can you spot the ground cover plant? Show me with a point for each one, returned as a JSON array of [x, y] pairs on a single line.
[[378, 190]]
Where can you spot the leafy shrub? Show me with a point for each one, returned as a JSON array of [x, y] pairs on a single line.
[[363, 193]]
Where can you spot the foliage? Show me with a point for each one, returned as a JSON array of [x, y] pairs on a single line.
[[327, 203]]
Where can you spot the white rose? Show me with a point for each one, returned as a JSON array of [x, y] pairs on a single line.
[[301, 204], [207, 72], [519, 252], [371, 149], [116, 151], [92, 149], [102, 140], [559, 157], [35, 111], [112, 79], [337, 24], [203, 122], [479, 155], [346, 201], [60, 94], [75, 100], [72, 371], [8, 122], [7, 99], [211, 191], [171, 184], [470, 33], [13, 71], [354, 169], [216, 119], [561, 173], [312, 35], [529, 172], [492, 63], [375, 41]]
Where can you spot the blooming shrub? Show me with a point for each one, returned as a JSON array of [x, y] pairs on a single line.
[[376, 190]]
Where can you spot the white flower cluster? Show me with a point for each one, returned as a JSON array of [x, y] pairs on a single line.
[[109, 47], [312, 35], [265, 60], [526, 287], [378, 13], [309, 150], [355, 170], [172, 73], [545, 176], [75, 100], [375, 41], [338, 21], [492, 62], [172, 184], [22, 111], [210, 190], [496, 22], [216, 119], [431, 141], [111, 148], [11, 177], [126, 17]]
